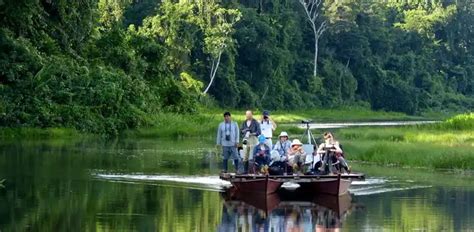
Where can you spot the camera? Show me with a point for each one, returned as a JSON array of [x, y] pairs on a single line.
[[265, 117], [227, 137]]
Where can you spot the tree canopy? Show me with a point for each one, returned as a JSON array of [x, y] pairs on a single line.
[[105, 65]]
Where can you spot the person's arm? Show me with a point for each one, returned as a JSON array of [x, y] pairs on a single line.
[[337, 148], [244, 129], [218, 140], [259, 131], [274, 125], [321, 148], [254, 152], [276, 146], [237, 134]]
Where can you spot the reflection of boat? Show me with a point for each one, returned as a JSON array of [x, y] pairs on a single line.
[[327, 184], [265, 202], [283, 211], [339, 204]]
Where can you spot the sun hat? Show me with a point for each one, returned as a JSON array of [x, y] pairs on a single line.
[[261, 138], [296, 142], [283, 134]]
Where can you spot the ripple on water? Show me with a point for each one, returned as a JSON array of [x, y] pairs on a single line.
[[369, 186], [201, 182]]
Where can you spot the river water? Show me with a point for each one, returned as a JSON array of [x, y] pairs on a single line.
[[168, 185]]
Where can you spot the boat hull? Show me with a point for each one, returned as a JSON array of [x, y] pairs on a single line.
[[332, 186], [265, 185], [313, 184]]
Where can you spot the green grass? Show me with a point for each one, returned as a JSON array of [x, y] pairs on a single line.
[[446, 145], [204, 124], [171, 125], [422, 175], [321, 115], [39, 133]]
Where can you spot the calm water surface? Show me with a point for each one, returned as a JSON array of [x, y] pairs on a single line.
[[150, 185]]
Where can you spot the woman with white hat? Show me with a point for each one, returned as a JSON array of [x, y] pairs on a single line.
[[279, 153], [283, 144], [296, 155]]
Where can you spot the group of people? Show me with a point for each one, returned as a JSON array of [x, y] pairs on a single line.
[[257, 153]]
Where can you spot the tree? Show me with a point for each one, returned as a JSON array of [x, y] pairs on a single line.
[[217, 24], [312, 9]]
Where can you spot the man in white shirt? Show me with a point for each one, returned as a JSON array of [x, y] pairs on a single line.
[[267, 126]]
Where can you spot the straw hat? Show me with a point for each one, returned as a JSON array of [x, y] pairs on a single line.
[[296, 142], [283, 134]]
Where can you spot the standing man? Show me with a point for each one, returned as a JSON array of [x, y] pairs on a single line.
[[250, 131], [267, 125], [228, 138]]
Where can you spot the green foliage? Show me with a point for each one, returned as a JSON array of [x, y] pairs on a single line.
[[459, 122], [104, 66], [441, 145]]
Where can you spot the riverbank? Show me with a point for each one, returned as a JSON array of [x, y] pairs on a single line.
[[204, 124], [446, 145]]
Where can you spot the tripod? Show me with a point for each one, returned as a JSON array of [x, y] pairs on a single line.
[[307, 133], [311, 141]]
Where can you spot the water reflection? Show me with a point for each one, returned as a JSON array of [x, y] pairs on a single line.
[[284, 211], [138, 185]]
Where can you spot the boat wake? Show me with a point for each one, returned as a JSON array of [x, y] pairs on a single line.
[[369, 186], [212, 183], [373, 186]]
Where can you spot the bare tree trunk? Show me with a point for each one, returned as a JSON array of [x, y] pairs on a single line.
[[215, 65], [312, 9], [316, 48]]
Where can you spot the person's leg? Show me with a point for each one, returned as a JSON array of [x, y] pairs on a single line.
[[246, 158], [236, 158], [225, 158], [330, 165], [251, 143], [344, 163], [236, 164], [324, 162]]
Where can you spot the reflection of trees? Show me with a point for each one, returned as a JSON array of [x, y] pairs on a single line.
[[431, 209], [111, 206], [50, 188]]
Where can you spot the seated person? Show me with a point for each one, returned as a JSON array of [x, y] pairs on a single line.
[[278, 164], [261, 154], [331, 150], [283, 145], [296, 156]]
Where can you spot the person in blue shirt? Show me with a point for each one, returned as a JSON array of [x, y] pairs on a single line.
[[228, 137], [261, 153]]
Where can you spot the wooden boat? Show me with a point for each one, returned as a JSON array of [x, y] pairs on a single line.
[[333, 186], [326, 184], [255, 184]]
